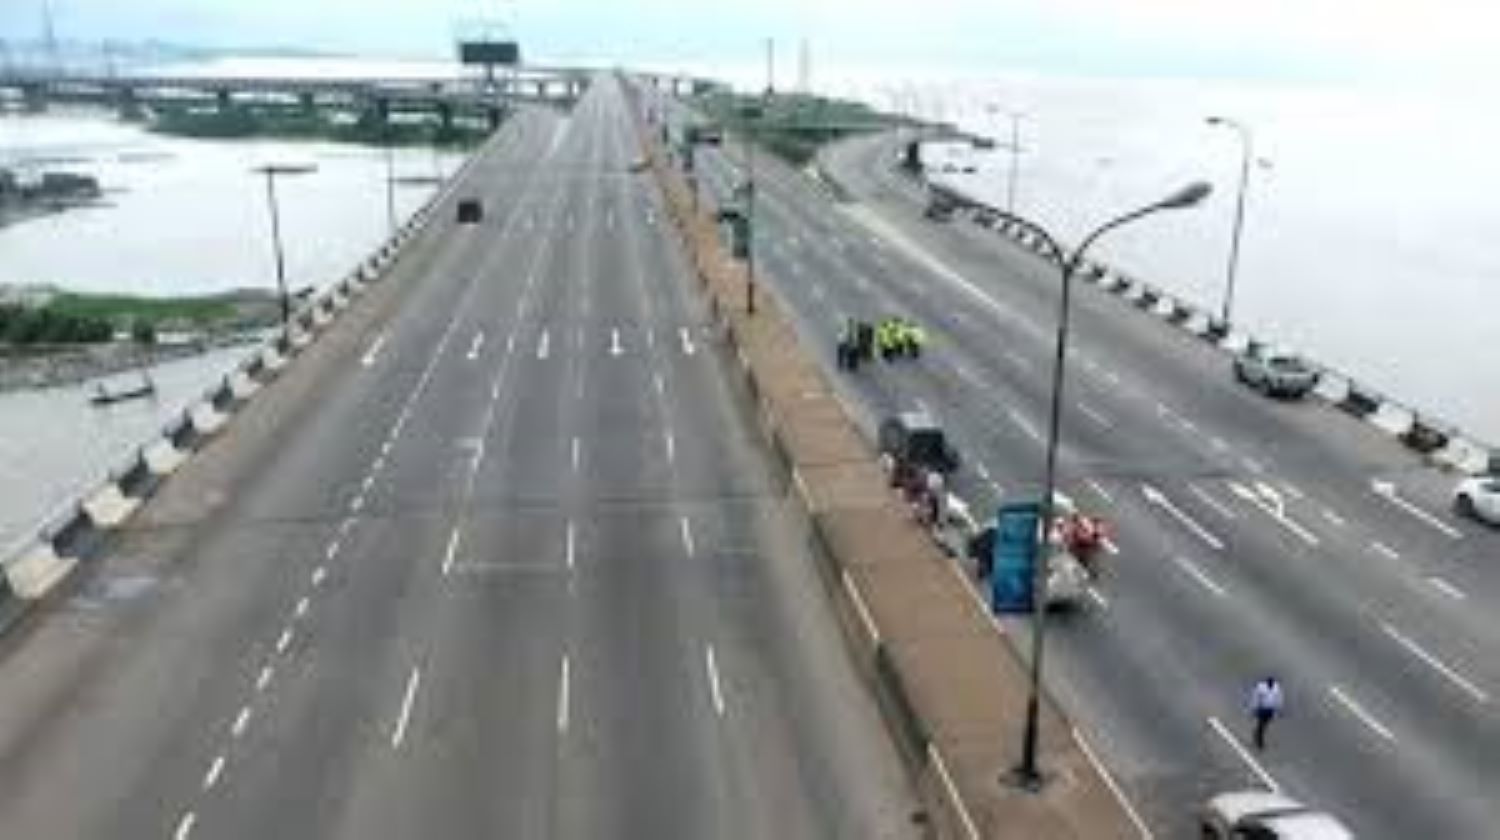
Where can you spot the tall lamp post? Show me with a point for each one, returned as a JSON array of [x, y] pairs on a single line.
[[1027, 773], [271, 171], [1247, 145]]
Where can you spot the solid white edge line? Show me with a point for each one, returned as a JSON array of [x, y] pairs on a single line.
[[936, 757], [1114, 787], [1245, 756], [1361, 714], [861, 607], [408, 699], [562, 696], [713, 679], [1436, 664], [1199, 575]]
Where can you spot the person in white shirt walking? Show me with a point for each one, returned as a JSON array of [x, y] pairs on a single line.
[[1265, 705]]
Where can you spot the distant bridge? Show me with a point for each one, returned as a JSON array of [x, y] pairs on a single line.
[[445, 96]]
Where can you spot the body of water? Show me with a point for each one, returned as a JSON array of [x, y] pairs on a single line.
[[1369, 235], [179, 216]]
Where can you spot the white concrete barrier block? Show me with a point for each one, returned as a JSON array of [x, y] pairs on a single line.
[[108, 507], [34, 573], [1332, 388], [1463, 455], [300, 339], [241, 386], [1391, 419], [162, 458], [321, 316], [206, 419], [1197, 323], [1164, 306], [272, 359]]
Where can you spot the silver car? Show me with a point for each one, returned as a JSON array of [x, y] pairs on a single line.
[[1274, 371], [1264, 815], [1479, 497]]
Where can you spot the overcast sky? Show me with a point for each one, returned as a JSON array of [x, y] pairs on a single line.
[[1362, 39]]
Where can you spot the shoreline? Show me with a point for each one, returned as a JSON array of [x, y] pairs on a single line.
[[53, 368]]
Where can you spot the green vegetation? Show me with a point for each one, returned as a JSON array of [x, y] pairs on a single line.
[[791, 125], [22, 325], [123, 309], [240, 121], [70, 318]]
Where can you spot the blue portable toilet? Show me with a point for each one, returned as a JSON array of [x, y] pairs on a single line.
[[1013, 573]]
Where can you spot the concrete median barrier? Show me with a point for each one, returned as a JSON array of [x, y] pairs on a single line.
[[109, 507], [240, 385], [162, 457], [39, 568], [206, 419]]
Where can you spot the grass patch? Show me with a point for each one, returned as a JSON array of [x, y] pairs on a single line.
[[126, 309]]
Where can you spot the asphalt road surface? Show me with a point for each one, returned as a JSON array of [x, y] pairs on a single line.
[[521, 571], [1253, 537]]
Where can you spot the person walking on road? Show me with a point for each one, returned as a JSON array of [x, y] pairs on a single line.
[[1265, 705]]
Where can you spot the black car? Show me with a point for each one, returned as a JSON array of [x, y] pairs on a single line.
[[913, 439]]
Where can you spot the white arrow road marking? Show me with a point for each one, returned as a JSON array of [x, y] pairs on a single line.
[[687, 341], [1387, 490], [477, 343], [1268, 499], [1156, 497]]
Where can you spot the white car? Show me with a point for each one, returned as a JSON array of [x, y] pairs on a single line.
[[1263, 815], [1479, 497]]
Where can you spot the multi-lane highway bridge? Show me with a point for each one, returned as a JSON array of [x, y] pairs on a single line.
[[502, 552]]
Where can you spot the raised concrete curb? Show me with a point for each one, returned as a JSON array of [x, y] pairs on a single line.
[[36, 567], [1441, 443], [950, 686]]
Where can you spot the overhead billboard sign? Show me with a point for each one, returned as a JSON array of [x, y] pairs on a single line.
[[489, 52]]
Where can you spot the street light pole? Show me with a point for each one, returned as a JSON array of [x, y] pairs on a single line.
[[271, 171], [1027, 774], [390, 183], [1015, 160], [1246, 152]]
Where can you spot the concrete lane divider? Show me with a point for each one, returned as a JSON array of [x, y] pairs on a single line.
[[162, 457]]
